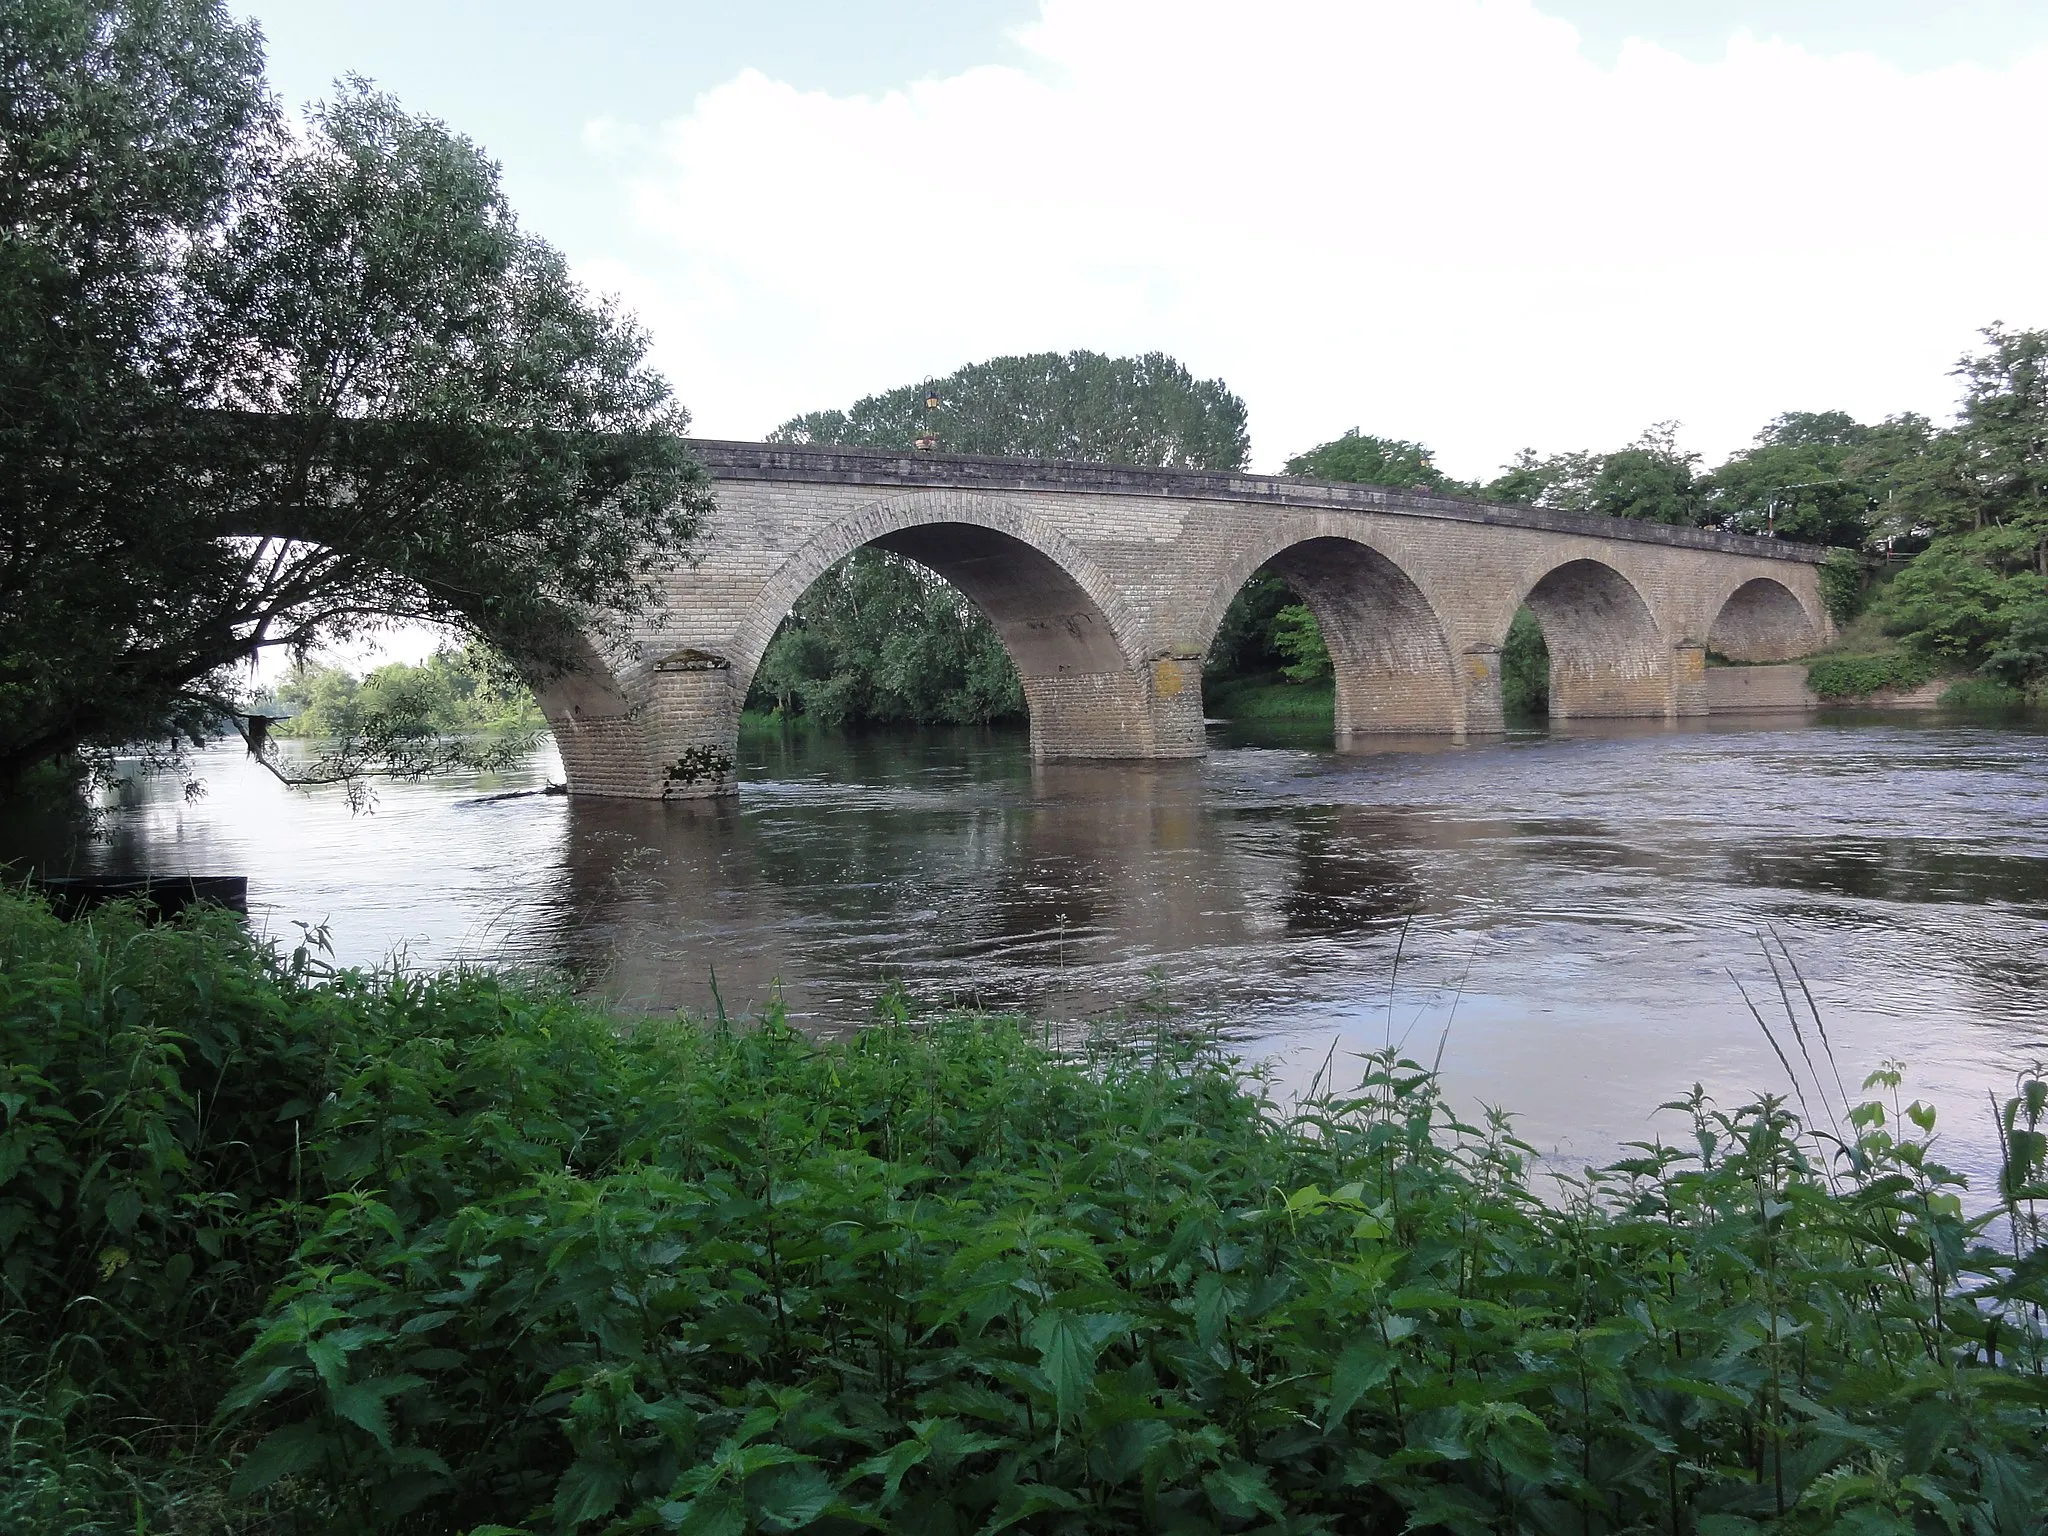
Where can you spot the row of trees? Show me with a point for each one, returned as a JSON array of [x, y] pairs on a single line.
[[457, 690]]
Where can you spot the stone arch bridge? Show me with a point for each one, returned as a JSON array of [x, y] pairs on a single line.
[[1107, 583]]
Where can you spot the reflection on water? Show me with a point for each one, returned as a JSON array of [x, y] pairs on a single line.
[[1569, 908]]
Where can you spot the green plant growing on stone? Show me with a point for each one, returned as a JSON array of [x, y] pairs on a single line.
[[699, 765]]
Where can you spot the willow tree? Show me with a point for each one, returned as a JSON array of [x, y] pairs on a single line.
[[266, 388]]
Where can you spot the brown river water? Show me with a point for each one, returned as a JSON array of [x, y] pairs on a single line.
[[1576, 914]]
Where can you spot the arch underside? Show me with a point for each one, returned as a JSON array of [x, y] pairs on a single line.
[[1086, 696], [1763, 621], [1607, 659], [601, 736], [1391, 662]]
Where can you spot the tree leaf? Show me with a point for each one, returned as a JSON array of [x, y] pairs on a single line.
[[1215, 1301], [892, 1464], [1023, 1500], [124, 1208], [363, 1406], [720, 1512]]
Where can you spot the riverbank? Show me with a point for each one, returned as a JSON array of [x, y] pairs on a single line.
[[506, 1258], [1270, 700]]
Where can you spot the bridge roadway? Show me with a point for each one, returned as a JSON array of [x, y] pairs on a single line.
[[1107, 584]]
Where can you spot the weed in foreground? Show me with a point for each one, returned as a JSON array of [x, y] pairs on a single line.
[[286, 1249]]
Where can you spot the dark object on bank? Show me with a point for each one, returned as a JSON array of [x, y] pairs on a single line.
[[162, 896]]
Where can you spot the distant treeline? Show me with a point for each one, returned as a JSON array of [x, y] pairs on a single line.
[[457, 689]]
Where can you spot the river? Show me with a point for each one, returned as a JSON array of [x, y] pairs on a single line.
[[1576, 914]]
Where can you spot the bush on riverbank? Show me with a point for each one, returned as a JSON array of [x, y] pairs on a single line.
[[1982, 693], [1855, 677], [456, 1250]]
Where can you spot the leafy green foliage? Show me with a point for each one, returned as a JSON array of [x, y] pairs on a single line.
[[155, 1086], [2020, 660], [1844, 585], [1950, 608], [1269, 640], [1994, 472], [265, 388], [1299, 638], [463, 709], [1651, 480], [1244, 642], [1981, 693], [1269, 699], [518, 1267], [462, 688], [1976, 596], [1048, 405], [1848, 676], [1367, 460], [1805, 479]]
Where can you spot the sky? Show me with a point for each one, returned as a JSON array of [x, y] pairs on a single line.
[[1480, 224]]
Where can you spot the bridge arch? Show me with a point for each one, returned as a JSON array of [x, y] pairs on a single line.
[[1390, 651], [1067, 628], [1763, 620], [1608, 655]]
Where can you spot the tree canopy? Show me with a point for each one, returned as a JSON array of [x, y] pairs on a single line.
[[1363, 459], [1078, 405], [1651, 480], [266, 388]]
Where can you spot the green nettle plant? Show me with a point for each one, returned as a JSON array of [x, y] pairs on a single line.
[[458, 1253]]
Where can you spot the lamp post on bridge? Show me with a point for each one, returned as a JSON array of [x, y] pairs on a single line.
[[928, 440]]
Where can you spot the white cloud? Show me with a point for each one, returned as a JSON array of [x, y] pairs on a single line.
[[1431, 219]]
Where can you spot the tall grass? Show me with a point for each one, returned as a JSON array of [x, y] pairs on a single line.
[[291, 1250], [1270, 698]]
